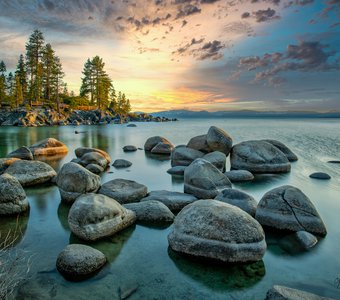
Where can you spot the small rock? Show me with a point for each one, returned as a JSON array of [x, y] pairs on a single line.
[[83, 150], [153, 141], [334, 161], [298, 241], [129, 148], [217, 158], [162, 148], [320, 175], [122, 163], [131, 125], [239, 175], [23, 153], [279, 292], [178, 170]]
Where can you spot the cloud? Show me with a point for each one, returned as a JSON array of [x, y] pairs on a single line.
[[264, 15], [211, 50], [187, 10]]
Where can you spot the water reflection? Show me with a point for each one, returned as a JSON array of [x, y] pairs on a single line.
[[63, 210], [154, 158]]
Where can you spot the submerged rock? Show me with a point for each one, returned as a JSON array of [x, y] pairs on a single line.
[[183, 156], [288, 208], [279, 292], [239, 175], [131, 125], [320, 175], [213, 229], [95, 158], [199, 143], [298, 241], [23, 153], [129, 148], [178, 170], [48, 147], [83, 150], [219, 140], [291, 156], [121, 163], [95, 216]]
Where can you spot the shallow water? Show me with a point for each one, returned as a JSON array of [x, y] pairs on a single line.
[[140, 261]]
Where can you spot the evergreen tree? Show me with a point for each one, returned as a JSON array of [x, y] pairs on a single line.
[[113, 99], [48, 60], [57, 76], [10, 83], [87, 86], [2, 82], [21, 72], [18, 91]]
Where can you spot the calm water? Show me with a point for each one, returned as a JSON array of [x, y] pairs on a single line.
[[139, 256]]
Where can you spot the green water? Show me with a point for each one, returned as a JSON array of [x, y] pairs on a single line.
[[139, 257]]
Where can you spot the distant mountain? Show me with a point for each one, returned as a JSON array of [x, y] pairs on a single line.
[[183, 114]]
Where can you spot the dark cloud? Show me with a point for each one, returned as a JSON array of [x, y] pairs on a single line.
[[187, 10], [186, 47], [211, 50], [245, 15], [264, 15]]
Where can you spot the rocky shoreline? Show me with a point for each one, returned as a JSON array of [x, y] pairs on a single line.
[[49, 117]]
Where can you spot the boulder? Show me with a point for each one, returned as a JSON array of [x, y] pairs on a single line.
[[48, 147], [291, 156], [151, 211], [95, 169], [12, 196], [199, 143], [217, 158], [5, 163], [258, 157], [279, 292], [22, 153], [239, 175], [31, 172], [216, 230], [239, 199], [83, 150], [95, 216], [298, 242], [219, 140], [162, 148], [121, 163], [74, 180], [203, 180], [124, 191], [320, 175], [129, 148], [178, 170], [175, 201], [153, 141], [78, 262], [94, 158], [288, 208], [183, 156]]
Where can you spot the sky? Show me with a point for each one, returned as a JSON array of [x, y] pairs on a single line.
[[265, 55]]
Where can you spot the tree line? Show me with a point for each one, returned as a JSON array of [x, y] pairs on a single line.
[[39, 79]]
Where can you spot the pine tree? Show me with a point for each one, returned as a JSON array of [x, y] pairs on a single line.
[[3, 86], [87, 86], [48, 59], [18, 91], [21, 72], [113, 99], [10, 83], [57, 76]]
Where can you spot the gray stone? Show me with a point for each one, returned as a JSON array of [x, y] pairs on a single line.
[[83, 150], [320, 175], [178, 170], [279, 292], [291, 156], [219, 140], [121, 163], [94, 158], [77, 262], [203, 180], [334, 161], [95, 216], [131, 125], [239, 199], [213, 229], [31, 172], [298, 241], [12, 196], [162, 148], [95, 169], [288, 208], [151, 211], [5, 163], [183, 156], [129, 148], [48, 147], [175, 201], [239, 175], [124, 191], [217, 158], [22, 153], [258, 157], [74, 180], [153, 141], [199, 143]]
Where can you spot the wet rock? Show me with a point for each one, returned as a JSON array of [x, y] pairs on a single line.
[[162, 148], [258, 157], [129, 148], [31, 172], [183, 156], [298, 241], [175, 201], [12, 196], [279, 292], [122, 163], [288, 208], [48, 147], [5, 163], [291, 156], [151, 211], [124, 191], [217, 158], [94, 158], [153, 141], [334, 161], [178, 170], [74, 180], [83, 150], [239, 175], [204, 180], [95, 169], [95, 216], [320, 175], [213, 229], [23, 153], [239, 199], [219, 140], [199, 143], [78, 262], [131, 125]]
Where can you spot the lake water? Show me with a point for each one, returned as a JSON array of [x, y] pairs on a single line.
[[139, 256]]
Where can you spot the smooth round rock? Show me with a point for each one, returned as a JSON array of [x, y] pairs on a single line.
[[178, 170], [216, 230], [95, 216], [199, 143], [183, 156], [31, 172], [291, 156], [6, 162], [95, 169], [219, 140], [320, 175], [238, 198], [298, 242], [279, 292], [94, 158], [153, 141], [124, 191], [162, 148], [217, 158], [203, 180], [129, 148], [258, 157], [122, 163], [83, 150], [78, 262], [12, 196], [288, 208], [48, 147], [239, 175], [23, 153]]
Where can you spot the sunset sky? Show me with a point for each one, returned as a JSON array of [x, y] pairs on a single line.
[[192, 54]]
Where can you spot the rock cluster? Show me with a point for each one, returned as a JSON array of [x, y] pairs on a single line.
[[158, 145]]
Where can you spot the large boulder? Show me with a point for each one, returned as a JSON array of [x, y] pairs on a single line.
[[95, 158], [78, 262], [74, 180], [95, 216], [183, 156], [203, 180], [217, 158], [239, 199], [31, 172], [151, 211], [175, 201], [48, 147], [163, 148], [258, 157], [291, 156], [5, 163], [22, 153], [219, 140], [153, 141], [216, 230], [199, 143], [239, 175], [83, 150], [12, 196], [123, 190], [288, 208], [279, 292]]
